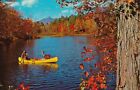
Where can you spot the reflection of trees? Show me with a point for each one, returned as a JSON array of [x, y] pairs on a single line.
[[80, 40], [7, 74], [29, 47], [8, 58]]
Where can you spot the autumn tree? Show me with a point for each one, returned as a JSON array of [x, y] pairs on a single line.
[[9, 21], [90, 25], [12, 26]]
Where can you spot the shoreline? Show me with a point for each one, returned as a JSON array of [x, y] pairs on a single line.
[[63, 35], [8, 40]]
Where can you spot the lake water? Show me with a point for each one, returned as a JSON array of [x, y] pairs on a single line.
[[64, 75]]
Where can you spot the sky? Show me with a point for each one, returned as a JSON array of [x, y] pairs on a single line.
[[39, 9]]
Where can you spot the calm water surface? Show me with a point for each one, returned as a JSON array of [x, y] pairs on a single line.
[[65, 75]]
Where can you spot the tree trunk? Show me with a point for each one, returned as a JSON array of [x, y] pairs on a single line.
[[128, 54]]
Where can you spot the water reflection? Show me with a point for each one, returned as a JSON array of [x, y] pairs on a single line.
[[44, 67]]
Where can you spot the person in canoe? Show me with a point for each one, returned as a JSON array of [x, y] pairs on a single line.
[[24, 55], [46, 56]]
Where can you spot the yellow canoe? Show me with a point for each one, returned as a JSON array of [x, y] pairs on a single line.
[[33, 61]]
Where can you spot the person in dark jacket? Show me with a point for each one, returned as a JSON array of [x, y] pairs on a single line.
[[46, 56]]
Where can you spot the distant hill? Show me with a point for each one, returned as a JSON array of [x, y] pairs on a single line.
[[47, 20]]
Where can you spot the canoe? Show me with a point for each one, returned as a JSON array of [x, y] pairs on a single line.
[[34, 61]]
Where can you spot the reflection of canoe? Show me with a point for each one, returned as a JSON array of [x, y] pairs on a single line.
[[44, 66], [50, 66], [41, 67], [33, 61]]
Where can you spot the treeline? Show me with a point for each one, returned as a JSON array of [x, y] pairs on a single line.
[[80, 24], [72, 25]]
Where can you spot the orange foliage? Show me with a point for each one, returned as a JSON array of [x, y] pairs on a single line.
[[81, 66], [61, 28], [27, 25], [105, 41], [128, 1], [86, 74], [22, 86], [12, 25], [72, 27]]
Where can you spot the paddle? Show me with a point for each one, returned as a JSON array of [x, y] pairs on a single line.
[[43, 53]]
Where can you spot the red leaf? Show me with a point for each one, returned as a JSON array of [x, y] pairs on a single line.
[[86, 74], [88, 59], [94, 87], [90, 81], [81, 66], [103, 86]]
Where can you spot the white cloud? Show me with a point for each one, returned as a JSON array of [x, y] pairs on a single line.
[[65, 11], [15, 4], [28, 3]]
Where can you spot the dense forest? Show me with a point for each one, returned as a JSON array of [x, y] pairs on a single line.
[[72, 25]]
